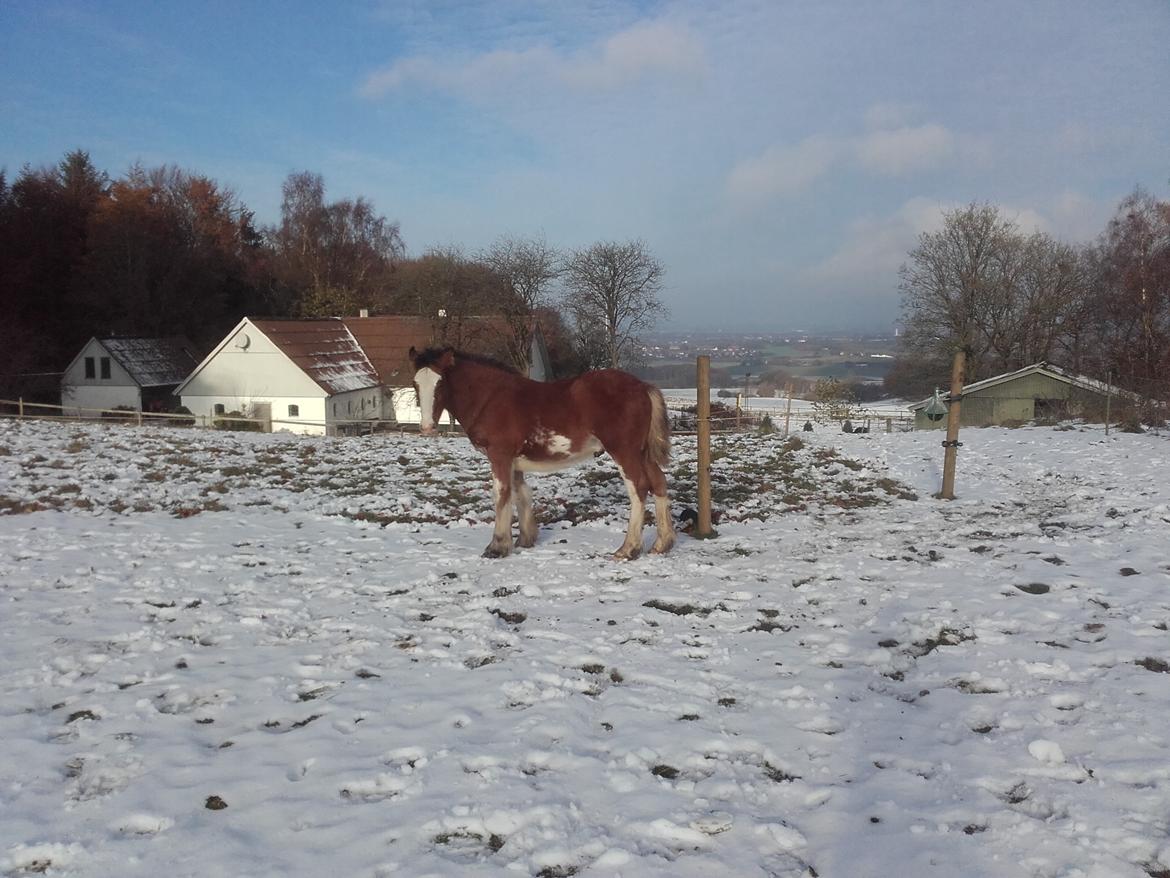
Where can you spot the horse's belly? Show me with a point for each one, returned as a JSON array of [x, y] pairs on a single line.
[[551, 459]]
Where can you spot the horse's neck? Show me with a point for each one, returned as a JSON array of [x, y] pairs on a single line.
[[471, 384]]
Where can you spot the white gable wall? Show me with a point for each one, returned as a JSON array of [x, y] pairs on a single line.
[[84, 396], [259, 371], [236, 377]]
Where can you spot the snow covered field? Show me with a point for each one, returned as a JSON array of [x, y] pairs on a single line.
[[234, 654]]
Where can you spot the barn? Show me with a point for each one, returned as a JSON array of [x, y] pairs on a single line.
[[1037, 391], [138, 374], [329, 375]]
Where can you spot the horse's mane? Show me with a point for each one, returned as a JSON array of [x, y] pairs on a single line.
[[432, 355]]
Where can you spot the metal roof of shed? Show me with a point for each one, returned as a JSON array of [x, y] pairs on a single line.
[[152, 362]]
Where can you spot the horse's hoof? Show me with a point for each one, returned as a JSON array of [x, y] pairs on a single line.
[[525, 542], [657, 549], [494, 551], [624, 554]]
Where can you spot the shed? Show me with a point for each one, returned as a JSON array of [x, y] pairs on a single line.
[[139, 374], [1037, 391]]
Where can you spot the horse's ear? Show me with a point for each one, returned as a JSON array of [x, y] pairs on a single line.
[[447, 360]]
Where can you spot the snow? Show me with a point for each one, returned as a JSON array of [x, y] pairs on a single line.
[[269, 654]]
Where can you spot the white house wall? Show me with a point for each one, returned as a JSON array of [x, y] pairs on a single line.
[[406, 410], [355, 405], [310, 419], [79, 393], [261, 372], [87, 400]]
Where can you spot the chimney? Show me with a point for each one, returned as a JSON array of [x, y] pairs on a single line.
[[364, 312]]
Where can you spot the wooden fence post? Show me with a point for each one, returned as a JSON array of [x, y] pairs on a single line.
[[788, 408], [20, 409], [951, 444], [1108, 398], [703, 528]]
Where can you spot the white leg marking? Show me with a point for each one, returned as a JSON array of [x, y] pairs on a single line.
[[665, 525], [632, 547], [522, 498], [501, 543]]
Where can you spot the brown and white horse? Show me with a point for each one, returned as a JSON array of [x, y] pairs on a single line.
[[535, 426]]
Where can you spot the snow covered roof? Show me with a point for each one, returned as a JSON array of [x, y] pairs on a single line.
[[325, 350], [152, 362], [1079, 381]]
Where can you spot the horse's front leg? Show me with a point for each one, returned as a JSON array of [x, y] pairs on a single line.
[[522, 495], [501, 543]]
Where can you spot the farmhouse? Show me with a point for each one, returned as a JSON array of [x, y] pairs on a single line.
[[139, 374], [332, 374], [1037, 391]]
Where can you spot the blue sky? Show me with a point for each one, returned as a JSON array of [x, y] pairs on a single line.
[[779, 157]]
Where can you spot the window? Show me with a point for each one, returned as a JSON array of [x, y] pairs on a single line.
[[217, 409], [335, 410], [90, 372], [294, 411], [105, 367]]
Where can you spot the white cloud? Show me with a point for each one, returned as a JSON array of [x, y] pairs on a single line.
[[647, 49], [782, 170], [905, 149], [888, 115], [874, 247]]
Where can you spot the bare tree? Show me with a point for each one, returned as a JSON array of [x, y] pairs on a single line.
[[1131, 308], [528, 268], [612, 290], [331, 258], [957, 286]]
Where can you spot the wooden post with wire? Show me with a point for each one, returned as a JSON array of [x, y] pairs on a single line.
[[788, 408], [703, 529], [952, 442], [1108, 398]]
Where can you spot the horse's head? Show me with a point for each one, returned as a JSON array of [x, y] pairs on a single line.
[[430, 367]]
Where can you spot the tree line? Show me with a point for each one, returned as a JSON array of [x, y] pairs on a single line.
[[163, 251], [1010, 299]]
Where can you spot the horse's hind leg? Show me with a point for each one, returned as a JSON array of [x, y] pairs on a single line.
[[501, 543], [522, 496], [662, 518], [632, 547]]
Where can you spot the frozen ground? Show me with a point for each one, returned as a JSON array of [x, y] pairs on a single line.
[[230, 654]]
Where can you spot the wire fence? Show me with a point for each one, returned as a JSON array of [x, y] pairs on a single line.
[[20, 409], [798, 415], [724, 419]]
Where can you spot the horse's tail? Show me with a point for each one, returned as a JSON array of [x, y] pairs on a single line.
[[658, 436]]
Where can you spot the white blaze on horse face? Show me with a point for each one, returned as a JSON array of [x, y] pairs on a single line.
[[426, 380]]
